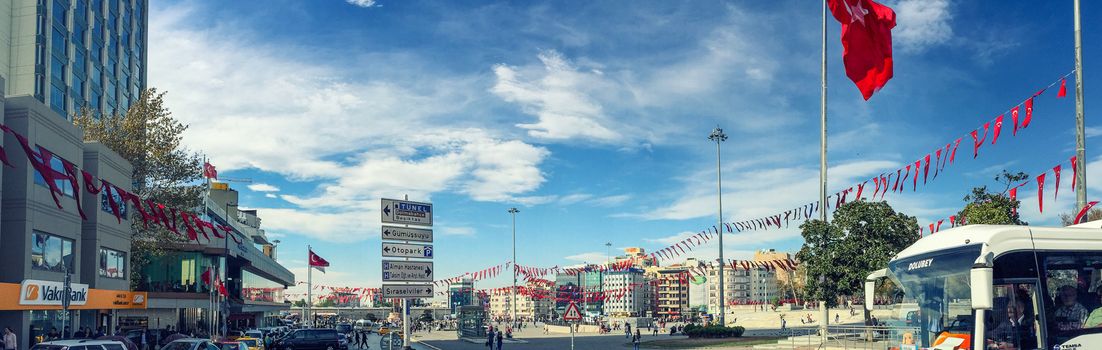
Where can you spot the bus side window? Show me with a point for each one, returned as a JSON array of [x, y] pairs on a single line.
[[1071, 288], [1014, 323]]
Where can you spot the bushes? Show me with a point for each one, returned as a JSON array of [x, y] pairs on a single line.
[[712, 331]]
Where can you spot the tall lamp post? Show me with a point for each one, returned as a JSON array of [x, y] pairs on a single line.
[[718, 136], [608, 252], [514, 212]]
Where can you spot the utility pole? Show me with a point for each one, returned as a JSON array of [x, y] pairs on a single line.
[[824, 314], [514, 212], [1080, 133], [718, 136]]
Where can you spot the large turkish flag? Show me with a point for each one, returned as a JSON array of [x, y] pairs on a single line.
[[867, 39]]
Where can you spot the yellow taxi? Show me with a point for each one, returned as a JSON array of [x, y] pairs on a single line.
[[252, 343]]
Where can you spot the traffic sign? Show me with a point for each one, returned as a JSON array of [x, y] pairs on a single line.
[[407, 291], [406, 212], [572, 313], [402, 250], [407, 271], [396, 233]]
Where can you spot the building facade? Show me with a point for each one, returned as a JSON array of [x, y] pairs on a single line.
[[42, 244], [461, 293], [670, 291], [254, 281], [627, 293], [531, 304], [71, 54]]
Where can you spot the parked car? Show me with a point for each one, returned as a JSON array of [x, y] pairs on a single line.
[[190, 344], [256, 333], [309, 339], [232, 345], [251, 342], [344, 328], [80, 344]]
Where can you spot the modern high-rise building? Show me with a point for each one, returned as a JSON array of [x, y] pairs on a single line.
[[629, 295], [70, 54]]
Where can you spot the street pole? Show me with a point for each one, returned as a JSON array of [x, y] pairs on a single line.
[[514, 212], [1080, 138], [824, 314], [718, 136], [309, 290]]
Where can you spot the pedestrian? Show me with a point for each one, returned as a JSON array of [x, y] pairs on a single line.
[[9, 339], [836, 319], [499, 341], [490, 339], [635, 342], [784, 324]]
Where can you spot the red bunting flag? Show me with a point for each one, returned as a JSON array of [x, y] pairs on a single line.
[[1083, 212], [897, 176], [926, 169], [1063, 88], [1056, 171], [1013, 198], [867, 42], [952, 220], [1028, 113], [999, 126], [1041, 192], [977, 142], [956, 144], [937, 162], [914, 182], [939, 225]]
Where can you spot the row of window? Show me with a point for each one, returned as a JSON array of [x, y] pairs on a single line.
[[55, 253]]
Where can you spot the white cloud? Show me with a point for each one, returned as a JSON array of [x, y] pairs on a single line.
[[588, 257], [921, 24], [456, 230], [263, 187], [559, 96], [364, 3], [271, 195], [297, 117]]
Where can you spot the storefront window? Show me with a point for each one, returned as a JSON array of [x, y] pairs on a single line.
[[112, 263], [46, 324], [49, 252], [258, 288], [177, 272]]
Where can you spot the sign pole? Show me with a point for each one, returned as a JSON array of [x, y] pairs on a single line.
[[68, 290]]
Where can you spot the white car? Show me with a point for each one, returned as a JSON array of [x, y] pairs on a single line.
[[80, 344], [191, 344]]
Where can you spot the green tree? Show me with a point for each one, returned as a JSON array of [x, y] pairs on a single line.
[[989, 208], [150, 139], [862, 237], [326, 303], [299, 303]]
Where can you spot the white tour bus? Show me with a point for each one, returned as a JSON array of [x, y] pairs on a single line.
[[1001, 287]]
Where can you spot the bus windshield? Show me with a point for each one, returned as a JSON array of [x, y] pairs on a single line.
[[935, 293]]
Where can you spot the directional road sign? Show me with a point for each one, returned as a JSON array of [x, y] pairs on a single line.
[[401, 250], [407, 234], [571, 314], [405, 212], [407, 271], [407, 291]]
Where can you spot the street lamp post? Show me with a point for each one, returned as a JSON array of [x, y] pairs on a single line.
[[718, 136], [608, 254], [514, 212]]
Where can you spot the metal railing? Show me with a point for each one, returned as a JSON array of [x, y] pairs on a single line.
[[844, 337]]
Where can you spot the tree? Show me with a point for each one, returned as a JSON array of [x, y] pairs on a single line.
[[149, 138], [988, 208], [1092, 215], [862, 237], [326, 303], [299, 303], [426, 316]]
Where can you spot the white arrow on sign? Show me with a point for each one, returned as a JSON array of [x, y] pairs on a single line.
[[406, 212], [396, 233], [401, 250]]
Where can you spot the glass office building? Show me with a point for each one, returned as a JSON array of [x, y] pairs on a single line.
[[71, 54]]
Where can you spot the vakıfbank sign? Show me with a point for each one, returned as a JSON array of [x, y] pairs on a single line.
[[36, 292]]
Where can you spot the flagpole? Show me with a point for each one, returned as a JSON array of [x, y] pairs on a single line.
[[309, 288], [824, 314], [1080, 138]]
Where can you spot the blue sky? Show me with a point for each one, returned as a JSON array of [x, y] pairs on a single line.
[[592, 117]]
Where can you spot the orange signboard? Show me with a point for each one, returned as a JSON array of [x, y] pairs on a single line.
[[13, 298]]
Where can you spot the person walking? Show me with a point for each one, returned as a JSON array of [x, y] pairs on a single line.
[[784, 324], [490, 339], [9, 339], [499, 340]]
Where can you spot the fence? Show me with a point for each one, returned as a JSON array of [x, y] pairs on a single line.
[[845, 337]]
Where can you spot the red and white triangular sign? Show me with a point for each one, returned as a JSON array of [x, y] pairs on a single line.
[[572, 313]]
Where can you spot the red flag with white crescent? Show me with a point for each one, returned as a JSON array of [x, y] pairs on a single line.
[[317, 261]]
